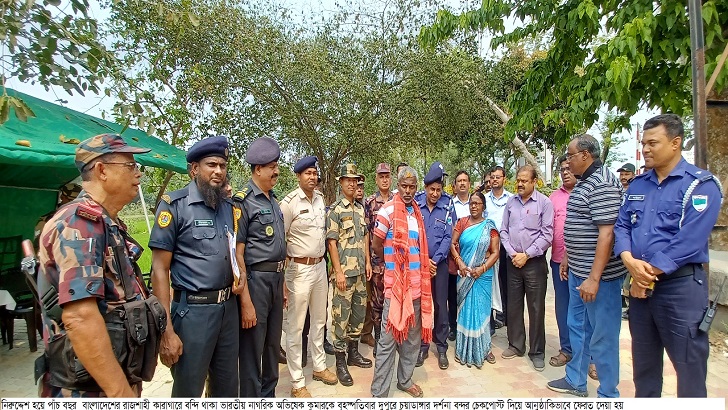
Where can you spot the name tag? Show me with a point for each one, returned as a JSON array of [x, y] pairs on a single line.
[[439, 220], [204, 222], [636, 198], [265, 211], [305, 211], [347, 218]]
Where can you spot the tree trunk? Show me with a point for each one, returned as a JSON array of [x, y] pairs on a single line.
[[516, 142]]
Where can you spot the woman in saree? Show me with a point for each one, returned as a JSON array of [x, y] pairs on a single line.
[[475, 248]]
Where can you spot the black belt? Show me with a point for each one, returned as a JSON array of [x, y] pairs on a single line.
[[687, 270], [205, 297], [267, 266]]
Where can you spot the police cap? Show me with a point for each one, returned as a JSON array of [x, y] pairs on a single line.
[[209, 147], [263, 151], [435, 174], [305, 163]]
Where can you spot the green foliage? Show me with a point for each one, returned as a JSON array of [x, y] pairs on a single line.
[[644, 61], [51, 44]]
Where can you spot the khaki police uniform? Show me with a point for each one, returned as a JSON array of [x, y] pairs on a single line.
[[304, 221]]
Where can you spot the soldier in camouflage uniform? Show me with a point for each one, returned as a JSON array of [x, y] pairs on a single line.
[[73, 256], [348, 244], [375, 286]]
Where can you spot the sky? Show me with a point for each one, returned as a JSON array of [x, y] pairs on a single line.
[[98, 104]]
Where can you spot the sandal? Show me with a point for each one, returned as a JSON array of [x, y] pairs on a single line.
[[560, 360], [413, 390], [490, 358], [593, 371]]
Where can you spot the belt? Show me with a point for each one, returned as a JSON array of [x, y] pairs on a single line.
[[307, 260], [206, 296], [267, 266], [681, 272]]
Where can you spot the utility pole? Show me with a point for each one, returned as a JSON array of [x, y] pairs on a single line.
[[697, 52]]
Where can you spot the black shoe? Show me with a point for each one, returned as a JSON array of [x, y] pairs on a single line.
[[442, 361], [342, 372], [329, 348], [498, 324], [421, 358], [355, 358], [282, 356], [451, 336]]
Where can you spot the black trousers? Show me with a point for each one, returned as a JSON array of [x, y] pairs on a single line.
[[260, 344], [452, 300], [529, 281], [209, 335], [440, 292]]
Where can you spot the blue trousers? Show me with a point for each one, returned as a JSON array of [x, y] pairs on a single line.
[[594, 331], [561, 302], [668, 321], [440, 289]]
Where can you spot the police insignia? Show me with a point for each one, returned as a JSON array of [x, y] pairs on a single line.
[[166, 198], [237, 213], [164, 219], [700, 202], [269, 230]]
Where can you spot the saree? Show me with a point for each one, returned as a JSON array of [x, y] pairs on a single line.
[[474, 297]]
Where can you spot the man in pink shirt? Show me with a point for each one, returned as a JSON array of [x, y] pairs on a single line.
[[559, 198]]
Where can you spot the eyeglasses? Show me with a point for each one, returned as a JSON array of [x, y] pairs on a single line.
[[472, 204], [565, 169], [570, 156], [131, 165]]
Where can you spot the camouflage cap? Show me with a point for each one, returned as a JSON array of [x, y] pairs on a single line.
[[348, 171], [103, 144]]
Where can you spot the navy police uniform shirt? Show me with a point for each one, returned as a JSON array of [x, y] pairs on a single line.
[[261, 226], [667, 224], [438, 225], [197, 237]]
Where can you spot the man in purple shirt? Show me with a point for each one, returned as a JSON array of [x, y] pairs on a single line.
[[526, 233]]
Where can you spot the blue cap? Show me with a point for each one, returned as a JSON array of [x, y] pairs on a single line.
[[209, 147], [305, 163], [435, 174], [263, 151]]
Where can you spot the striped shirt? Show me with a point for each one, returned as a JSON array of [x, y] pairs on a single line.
[[383, 230], [594, 201]]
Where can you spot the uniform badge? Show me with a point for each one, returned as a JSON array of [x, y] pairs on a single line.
[[166, 198], [269, 230], [633, 219], [164, 219], [237, 213], [700, 202]]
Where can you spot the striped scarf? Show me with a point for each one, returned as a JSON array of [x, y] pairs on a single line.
[[401, 309]]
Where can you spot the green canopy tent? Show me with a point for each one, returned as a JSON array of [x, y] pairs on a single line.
[[30, 176]]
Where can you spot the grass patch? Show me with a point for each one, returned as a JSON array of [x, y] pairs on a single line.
[[138, 230]]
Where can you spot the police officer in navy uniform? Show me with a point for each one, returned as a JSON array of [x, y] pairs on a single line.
[[662, 237], [261, 252], [434, 204], [190, 241]]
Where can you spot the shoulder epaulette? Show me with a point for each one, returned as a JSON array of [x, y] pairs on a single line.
[[240, 195], [288, 198], [89, 212], [176, 195]]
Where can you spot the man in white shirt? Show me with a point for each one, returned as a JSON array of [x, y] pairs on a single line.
[[461, 208], [495, 204]]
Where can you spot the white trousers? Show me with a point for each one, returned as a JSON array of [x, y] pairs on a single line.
[[307, 291]]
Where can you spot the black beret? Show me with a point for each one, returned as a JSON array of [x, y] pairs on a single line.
[[435, 173], [263, 151], [209, 147], [305, 163]]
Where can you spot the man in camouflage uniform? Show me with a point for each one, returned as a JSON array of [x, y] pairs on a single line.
[[375, 286], [73, 257], [348, 244]]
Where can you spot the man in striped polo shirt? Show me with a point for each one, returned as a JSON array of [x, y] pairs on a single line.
[[595, 274], [400, 240]]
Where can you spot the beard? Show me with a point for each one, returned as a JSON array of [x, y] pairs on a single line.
[[212, 195]]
